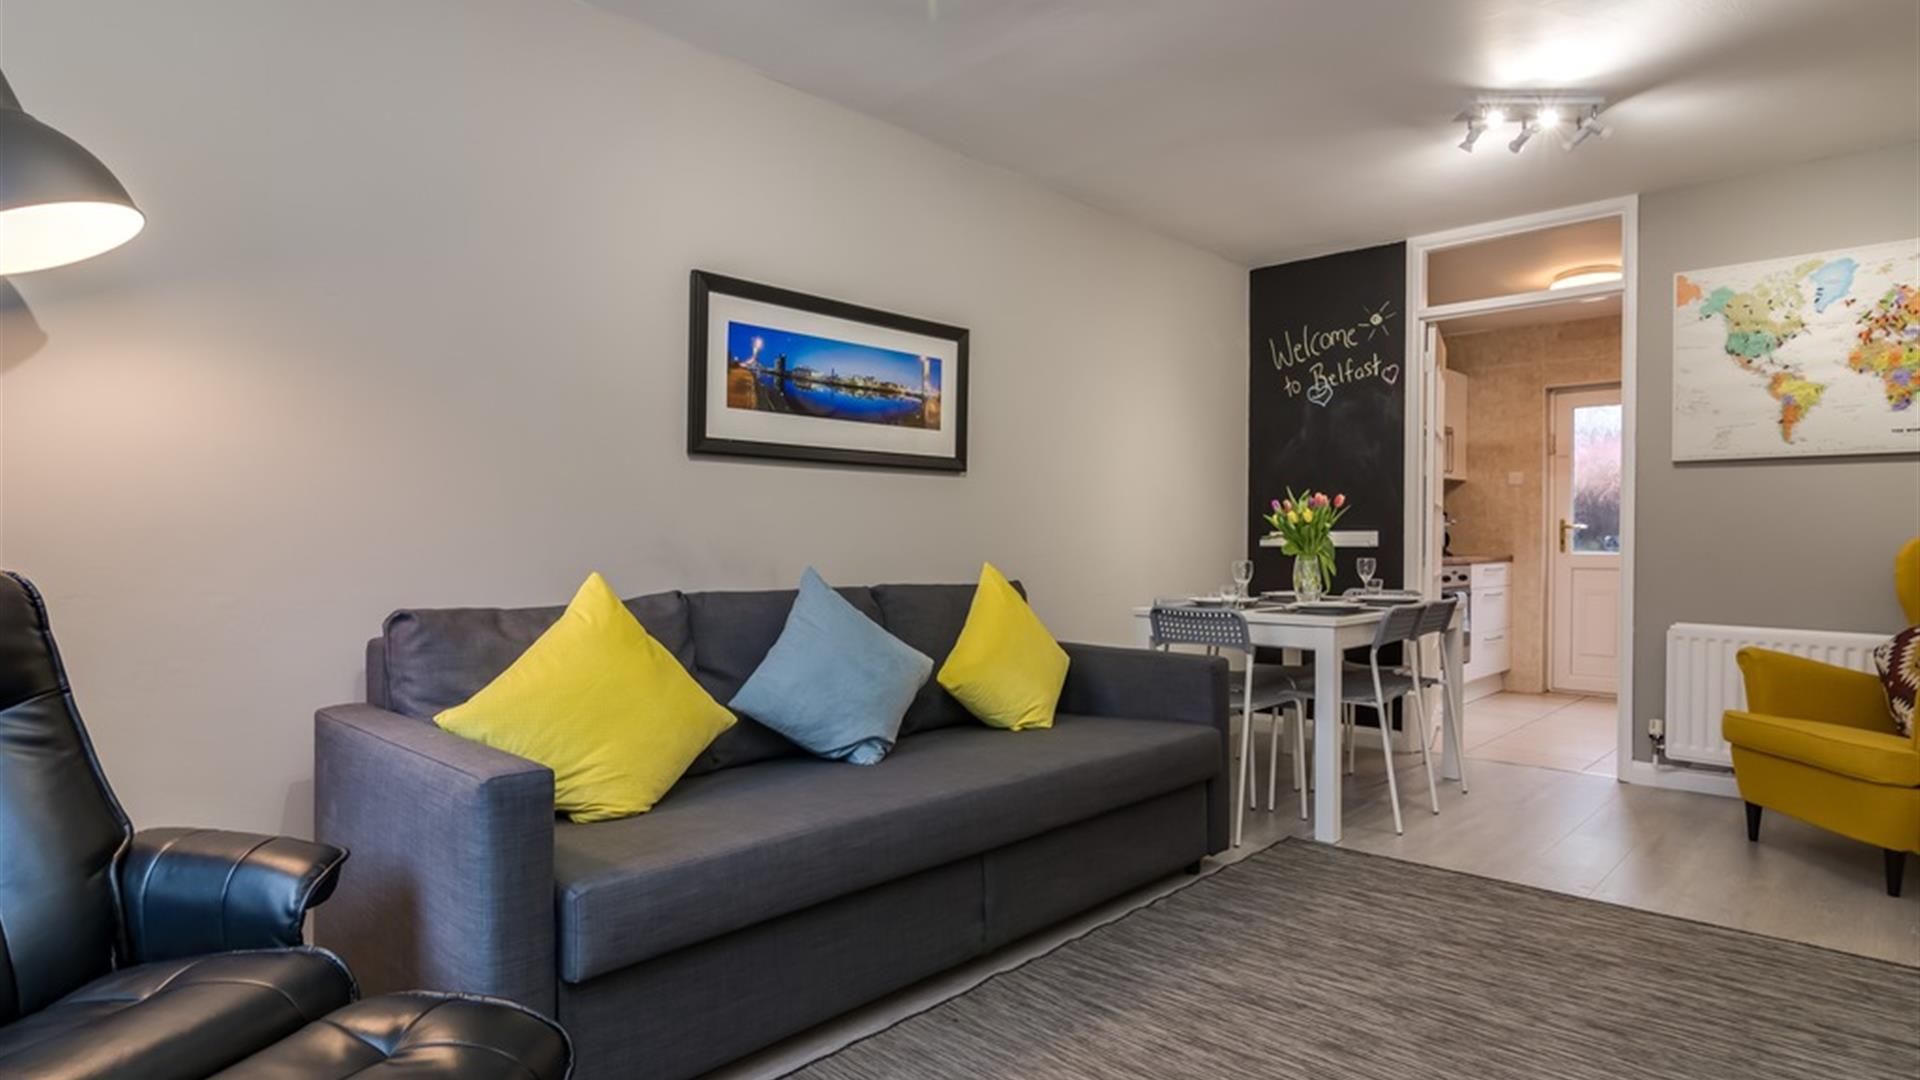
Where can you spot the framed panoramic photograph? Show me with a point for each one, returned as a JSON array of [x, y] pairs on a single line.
[[780, 374]]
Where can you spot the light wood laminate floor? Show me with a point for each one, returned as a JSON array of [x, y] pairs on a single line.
[[1553, 826]]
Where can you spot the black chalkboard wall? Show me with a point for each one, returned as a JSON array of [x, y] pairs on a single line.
[[1327, 400]]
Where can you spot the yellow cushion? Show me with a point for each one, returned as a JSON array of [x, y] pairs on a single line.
[[1874, 756], [601, 703], [1005, 668]]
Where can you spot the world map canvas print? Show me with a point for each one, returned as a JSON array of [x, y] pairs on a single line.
[[1803, 356]]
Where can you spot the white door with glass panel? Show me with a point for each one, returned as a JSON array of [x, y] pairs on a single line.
[[1583, 582]]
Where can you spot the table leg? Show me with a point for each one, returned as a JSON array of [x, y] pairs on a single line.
[[1326, 740], [1455, 715]]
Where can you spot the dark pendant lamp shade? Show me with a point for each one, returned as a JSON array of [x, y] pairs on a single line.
[[58, 203]]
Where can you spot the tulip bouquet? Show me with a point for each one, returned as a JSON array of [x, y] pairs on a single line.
[[1304, 523]]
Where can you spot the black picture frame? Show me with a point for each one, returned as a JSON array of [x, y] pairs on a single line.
[[706, 284]]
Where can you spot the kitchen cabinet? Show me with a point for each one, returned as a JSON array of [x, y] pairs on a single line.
[[1489, 646], [1453, 400]]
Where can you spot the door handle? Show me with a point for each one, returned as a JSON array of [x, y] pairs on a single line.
[[1567, 528]]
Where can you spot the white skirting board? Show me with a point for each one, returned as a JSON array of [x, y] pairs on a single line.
[[1485, 686]]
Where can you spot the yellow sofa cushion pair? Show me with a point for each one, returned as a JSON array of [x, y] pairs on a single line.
[[601, 703], [1005, 668]]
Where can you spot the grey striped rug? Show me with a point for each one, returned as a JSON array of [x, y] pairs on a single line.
[[1309, 961]]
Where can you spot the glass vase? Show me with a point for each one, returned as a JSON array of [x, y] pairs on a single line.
[[1307, 582]]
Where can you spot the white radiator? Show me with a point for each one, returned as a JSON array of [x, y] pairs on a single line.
[[1703, 680]]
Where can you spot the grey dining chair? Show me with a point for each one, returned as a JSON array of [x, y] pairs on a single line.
[[1377, 686], [1261, 687], [1435, 618]]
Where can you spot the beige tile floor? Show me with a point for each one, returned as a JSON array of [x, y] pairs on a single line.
[[1554, 731], [1552, 823]]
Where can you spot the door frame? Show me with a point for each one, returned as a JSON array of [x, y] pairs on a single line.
[[1421, 313], [1548, 511]]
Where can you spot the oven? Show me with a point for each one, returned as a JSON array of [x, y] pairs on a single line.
[[1457, 582]]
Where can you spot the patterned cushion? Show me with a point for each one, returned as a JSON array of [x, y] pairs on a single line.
[[1899, 663]]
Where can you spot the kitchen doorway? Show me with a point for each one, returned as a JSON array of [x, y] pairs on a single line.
[[1511, 320]]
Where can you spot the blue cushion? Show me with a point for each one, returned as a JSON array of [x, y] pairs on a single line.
[[835, 681]]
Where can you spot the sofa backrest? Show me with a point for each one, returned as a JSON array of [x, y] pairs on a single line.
[[929, 618], [431, 659], [62, 832]]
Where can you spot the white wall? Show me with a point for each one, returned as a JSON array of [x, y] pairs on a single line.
[[408, 327], [1800, 542]]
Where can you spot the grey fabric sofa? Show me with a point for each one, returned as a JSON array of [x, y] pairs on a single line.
[[770, 890]]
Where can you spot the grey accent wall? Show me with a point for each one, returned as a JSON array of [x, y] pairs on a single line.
[[1805, 543], [408, 327]]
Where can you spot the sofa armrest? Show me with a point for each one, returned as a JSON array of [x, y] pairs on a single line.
[[1103, 680], [452, 887], [190, 892]]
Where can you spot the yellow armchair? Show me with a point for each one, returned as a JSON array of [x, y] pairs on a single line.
[[1817, 742]]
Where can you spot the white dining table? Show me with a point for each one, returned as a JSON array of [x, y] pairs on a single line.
[[1326, 638]]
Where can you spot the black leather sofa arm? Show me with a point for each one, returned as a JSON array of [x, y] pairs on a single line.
[[188, 892]]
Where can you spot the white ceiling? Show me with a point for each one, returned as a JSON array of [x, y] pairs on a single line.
[[1521, 263], [1268, 130]]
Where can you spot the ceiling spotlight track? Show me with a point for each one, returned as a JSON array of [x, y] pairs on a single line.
[[1571, 116]]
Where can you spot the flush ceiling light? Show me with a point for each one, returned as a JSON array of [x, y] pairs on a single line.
[[1585, 275], [1551, 110], [58, 203]]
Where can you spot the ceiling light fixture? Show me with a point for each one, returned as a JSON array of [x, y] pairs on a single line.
[[1527, 128], [1476, 127], [1577, 276], [1548, 110], [58, 203], [1587, 127]]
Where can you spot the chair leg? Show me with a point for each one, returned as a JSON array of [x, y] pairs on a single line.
[[1273, 755], [1896, 869], [1753, 822], [1426, 760], [1245, 766], [1300, 755], [1393, 786], [1451, 718], [1250, 791], [1352, 725], [1296, 725]]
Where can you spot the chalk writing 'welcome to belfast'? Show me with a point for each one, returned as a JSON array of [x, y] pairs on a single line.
[[1327, 354]]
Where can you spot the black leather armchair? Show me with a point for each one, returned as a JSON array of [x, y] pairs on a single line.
[[174, 954]]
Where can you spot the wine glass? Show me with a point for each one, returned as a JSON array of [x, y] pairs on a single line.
[[1367, 564], [1242, 571]]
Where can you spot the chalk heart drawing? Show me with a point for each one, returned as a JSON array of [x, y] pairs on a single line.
[[1320, 393], [1391, 373]]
